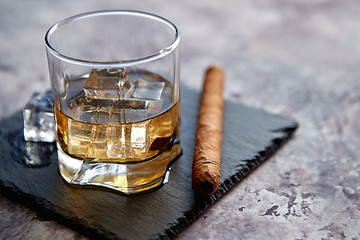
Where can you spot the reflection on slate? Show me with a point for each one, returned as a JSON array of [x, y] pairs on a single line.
[[32, 154], [250, 136]]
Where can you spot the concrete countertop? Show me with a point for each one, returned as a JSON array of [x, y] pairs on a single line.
[[296, 58]]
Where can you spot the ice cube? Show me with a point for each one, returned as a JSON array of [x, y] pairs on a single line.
[[150, 92], [125, 111], [138, 135], [127, 141], [117, 142], [39, 118], [107, 84]]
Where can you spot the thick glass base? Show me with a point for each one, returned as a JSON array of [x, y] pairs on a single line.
[[128, 178]]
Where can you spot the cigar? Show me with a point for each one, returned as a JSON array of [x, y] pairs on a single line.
[[207, 153]]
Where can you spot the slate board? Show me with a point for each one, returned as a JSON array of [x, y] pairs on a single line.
[[29, 174]]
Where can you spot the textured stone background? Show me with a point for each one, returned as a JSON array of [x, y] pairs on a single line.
[[299, 58]]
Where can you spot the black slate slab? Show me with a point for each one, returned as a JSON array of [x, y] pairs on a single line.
[[28, 173]]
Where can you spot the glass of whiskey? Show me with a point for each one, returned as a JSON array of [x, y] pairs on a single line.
[[115, 84]]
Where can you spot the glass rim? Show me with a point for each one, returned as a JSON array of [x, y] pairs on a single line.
[[123, 63]]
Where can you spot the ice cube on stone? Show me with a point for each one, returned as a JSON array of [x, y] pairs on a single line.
[[107, 84], [39, 124]]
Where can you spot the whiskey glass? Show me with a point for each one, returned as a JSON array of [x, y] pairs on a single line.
[[115, 84]]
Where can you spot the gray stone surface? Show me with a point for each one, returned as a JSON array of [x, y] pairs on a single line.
[[298, 58]]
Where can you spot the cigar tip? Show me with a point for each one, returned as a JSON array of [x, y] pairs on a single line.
[[206, 188], [214, 68]]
